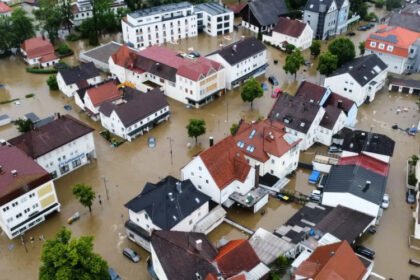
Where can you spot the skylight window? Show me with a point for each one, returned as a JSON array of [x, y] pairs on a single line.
[[364, 77], [241, 144], [197, 200], [252, 134], [377, 69], [174, 217], [302, 124], [250, 148]]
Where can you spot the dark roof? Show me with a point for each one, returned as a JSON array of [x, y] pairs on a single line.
[[159, 69], [138, 105], [44, 139], [352, 179], [339, 101], [405, 20], [311, 212], [164, 212], [240, 50], [404, 82], [345, 223], [179, 257], [79, 73], [294, 112], [318, 6], [290, 27], [359, 141], [267, 12], [363, 69], [310, 92], [330, 117]]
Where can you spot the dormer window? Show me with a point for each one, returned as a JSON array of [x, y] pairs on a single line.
[[390, 48], [373, 44], [381, 46]]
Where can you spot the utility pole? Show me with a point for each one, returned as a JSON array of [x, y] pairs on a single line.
[[106, 188], [170, 149], [22, 239]]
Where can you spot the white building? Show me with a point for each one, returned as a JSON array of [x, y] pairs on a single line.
[[38, 51], [214, 19], [193, 81], [288, 31], [82, 9], [78, 77], [136, 114], [243, 59], [28, 193], [59, 146], [360, 79]]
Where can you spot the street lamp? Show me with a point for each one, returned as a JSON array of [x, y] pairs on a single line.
[[106, 188]]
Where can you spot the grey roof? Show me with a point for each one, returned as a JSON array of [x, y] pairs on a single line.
[[359, 141], [212, 8], [319, 6], [311, 213], [44, 121], [79, 73], [160, 9], [138, 105], [161, 70], [407, 21], [4, 117], [164, 212], [240, 50], [404, 82], [103, 52], [267, 12], [363, 69], [352, 179], [32, 116]]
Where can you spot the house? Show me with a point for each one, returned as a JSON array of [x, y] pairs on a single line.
[[91, 98], [374, 145], [268, 147], [60, 146], [367, 162], [410, 21], [301, 118], [288, 31], [72, 79], [5, 10], [27, 192], [193, 81], [213, 18], [136, 114], [397, 47], [326, 18], [261, 16], [169, 204], [236, 9], [334, 261], [355, 187], [359, 79], [187, 255], [82, 9], [243, 59], [38, 51]]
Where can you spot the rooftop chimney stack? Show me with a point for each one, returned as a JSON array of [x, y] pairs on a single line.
[[14, 172], [367, 185], [171, 196], [179, 187], [199, 244], [340, 104], [211, 142]]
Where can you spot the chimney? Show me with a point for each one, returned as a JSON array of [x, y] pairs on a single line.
[[179, 187], [211, 141], [14, 172], [171, 196], [198, 276], [367, 185], [199, 244], [1, 169], [235, 48], [332, 253], [340, 104]]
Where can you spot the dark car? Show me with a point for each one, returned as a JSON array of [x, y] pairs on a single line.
[[370, 25], [362, 28], [131, 254], [196, 54], [351, 34], [335, 149], [113, 275], [410, 196], [366, 252], [307, 63], [273, 80]]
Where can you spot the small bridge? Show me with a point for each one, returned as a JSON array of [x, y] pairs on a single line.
[[238, 226]]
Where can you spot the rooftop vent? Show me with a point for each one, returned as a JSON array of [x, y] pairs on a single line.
[[198, 276], [235, 48], [179, 187], [367, 185], [14, 172], [332, 253], [1, 168], [171, 196], [199, 244]]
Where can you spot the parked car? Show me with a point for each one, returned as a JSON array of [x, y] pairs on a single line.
[[151, 141], [195, 54], [351, 34], [370, 25], [334, 149], [368, 253], [316, 192], [276, 93], [315, 198], [273, 80], [113, 274], [307, 63], [362, 28], [372, 230], [385, 201], [410, 196], [264, 86], [131, 254]]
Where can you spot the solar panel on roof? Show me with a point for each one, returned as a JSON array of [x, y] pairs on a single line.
[[391, 38]]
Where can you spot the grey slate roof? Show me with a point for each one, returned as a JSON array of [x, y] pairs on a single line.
[[359, 141], [404, 20], [362, 69], [240, 50], [404, 82], [138, 105], [163, 212], [352, 179], [267, 12], [79, 73]]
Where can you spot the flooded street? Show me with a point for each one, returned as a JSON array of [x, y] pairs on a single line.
[[128, 167]]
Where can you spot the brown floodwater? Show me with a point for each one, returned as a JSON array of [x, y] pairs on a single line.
[[128, 167]]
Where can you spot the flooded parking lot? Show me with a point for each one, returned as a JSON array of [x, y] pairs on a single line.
[[128, 167]]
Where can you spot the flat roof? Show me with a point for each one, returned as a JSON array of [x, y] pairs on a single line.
[[212, 8], [257, 194], [103, 52], [160, 9]]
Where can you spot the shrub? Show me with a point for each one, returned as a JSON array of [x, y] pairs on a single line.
[[72, 37], [412, 180], [29, 95], [52, 82], [413, 160], [38, 70], [63, 49]]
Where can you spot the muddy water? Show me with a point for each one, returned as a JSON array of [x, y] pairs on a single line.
[[128, 167]]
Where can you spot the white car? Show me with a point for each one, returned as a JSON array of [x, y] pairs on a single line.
[[385, 201]]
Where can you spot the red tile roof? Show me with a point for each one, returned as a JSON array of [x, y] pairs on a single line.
[[366, 162], [235, 257], [37, 47], [238, 8], [104, 92], [238, 277], [48, 57], [211, 276], [124, 57], [4, 8], [290, 27], [400, 38], [334, 261], [268, 139], [225, 162]]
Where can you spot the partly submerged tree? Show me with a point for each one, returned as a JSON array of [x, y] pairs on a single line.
[[251, 90], [23, 125], [343, 48], [293, 62], [195, 128], [85, 195], [327, 63]]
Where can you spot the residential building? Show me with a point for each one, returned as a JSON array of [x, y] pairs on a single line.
[[100, 55], [188, 255], [326, 18], [38, 51], [27, 192], [136, 114], [60, 146], [169, 204], [160, 24], [243, 59], [72, 79], [261, 16], [288, 31], [193, 81], [213, 18], [334, 261], [301, 118], [91, 98], [359, 79], [398, 47], [82, 9], [5, 10], [268, 147], [410, 21]]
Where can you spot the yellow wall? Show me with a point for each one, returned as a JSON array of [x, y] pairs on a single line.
[[45, 190]]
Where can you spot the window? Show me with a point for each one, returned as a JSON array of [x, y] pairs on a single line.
[[241, 144], [199, 168], [53, 174], [250, 148], [390, 48], [190, 222], [76, 163], [381, 46], [146, 216], [207, 181], [64, 169], [373, 44], [272, 161]]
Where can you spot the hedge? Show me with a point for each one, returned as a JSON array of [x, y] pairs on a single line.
[[41, 71], [9, 101]]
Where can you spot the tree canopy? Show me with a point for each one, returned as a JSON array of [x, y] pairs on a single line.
[[22, 27], [359, 7], [251, 90], [52, 82], [343, 48], [315, 48], [327, 63], [293, 62], [195, 128], [84, 194], [393, 4], [362, 47], [234, 129], [23, 125], [49, 17]]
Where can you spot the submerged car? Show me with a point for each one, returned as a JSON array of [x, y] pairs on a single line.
[[385, 201], [113, 275], [410, 196], [151, 141], [131, 254], [366, 252], [273, 80]]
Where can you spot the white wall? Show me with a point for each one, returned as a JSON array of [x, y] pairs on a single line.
[[304, 41], [324, 135], [350, 201], [70, 90]]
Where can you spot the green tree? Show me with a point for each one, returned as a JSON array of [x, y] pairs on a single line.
[[50, 18], [63, 49], [195, 128], [315, 48], [52, 82], [71, 259], [327, 63], [234, 129], [251, 90], [362, 47], [22, 27], [359, 7], [290, 48], [23, 125], [66, 13], [379, 3], [7, 34], [343, 48], [393, 4], [84, 194], [293, 62]]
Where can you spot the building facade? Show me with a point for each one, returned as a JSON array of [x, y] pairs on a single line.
[[82, 9], [214, 19], [38, 51]]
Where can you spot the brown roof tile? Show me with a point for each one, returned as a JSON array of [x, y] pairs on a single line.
[[290, 27], [105, 92], [36, 47]]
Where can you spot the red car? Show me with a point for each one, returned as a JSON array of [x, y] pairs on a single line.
[[277, 92]]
